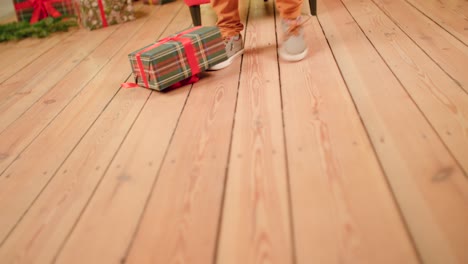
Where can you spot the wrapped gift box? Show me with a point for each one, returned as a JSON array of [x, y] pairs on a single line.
[[35, 10], [177, 58], [94, 14]]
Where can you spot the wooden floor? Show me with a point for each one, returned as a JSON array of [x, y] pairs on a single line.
[[357, 154]]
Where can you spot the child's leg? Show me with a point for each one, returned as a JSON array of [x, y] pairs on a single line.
[[294, 47], [289, 9], [228, 17], [230, 26]]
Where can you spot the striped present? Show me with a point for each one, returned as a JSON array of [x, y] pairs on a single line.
[[177, 58], [94, 14], [35, 10]]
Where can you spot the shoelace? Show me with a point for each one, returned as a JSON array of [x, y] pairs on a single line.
[[227, 39]]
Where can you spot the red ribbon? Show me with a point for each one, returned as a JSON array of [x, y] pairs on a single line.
[[103, 14], [189, 53], [41, 9]]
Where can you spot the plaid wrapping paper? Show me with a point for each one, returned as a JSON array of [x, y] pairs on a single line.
[[167, 63], [65, 7], [115, 12]]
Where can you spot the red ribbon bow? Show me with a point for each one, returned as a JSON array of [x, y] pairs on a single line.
[[189, 53], [103, 13], [41, 9]]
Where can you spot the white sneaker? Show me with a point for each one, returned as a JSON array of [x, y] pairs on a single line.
[[234, 48], [294, 47]]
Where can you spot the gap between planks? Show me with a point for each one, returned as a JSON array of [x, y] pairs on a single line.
[[428, 184], [93, 99]]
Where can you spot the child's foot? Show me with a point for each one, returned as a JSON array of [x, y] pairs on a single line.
[[234, 48], [294, 47]]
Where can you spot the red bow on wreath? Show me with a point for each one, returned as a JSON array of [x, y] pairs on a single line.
[[41, 9]]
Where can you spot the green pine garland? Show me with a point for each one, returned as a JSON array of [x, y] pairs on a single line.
[[41, 29]]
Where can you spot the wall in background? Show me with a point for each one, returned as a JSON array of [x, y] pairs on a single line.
[[6, 9]]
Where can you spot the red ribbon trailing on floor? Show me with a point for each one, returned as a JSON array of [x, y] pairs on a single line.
[[189, 53], [103, 14], [41, 9]]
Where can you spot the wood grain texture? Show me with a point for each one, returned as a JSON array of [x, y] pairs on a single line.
[[255, 224], [448, 15], [428, 184], [448, 52], [41, 232], [373, 153], [180, 222], [30, 50], [45, 91], [110, 213], [18, 135], [441, 100], [106, 227], [23, 180], [45, 72], [460, 5], [337, 217], [186, 200]]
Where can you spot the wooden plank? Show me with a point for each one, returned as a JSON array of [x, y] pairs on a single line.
[[115, 210], [180, 223], [17, 136], [342, 207], [42, 230], [255, 224], [428, 184], [131, 173], [446, 15], [15, 106], [55, 62], [17, 55], [18, 93], [31, 171], [461, 6], [448, 52], [442, 101], [27, 43], [40, 233]]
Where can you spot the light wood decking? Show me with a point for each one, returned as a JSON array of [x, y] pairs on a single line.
[[358, 154]]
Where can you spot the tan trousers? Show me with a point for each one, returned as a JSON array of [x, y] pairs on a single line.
[[228, 14]]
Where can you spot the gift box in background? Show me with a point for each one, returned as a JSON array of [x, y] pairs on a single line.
[[35, 10], [94, 14], [157, 2], [177, 58]]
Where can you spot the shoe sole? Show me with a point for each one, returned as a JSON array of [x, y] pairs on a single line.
[[296, 57], [227, 62]]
